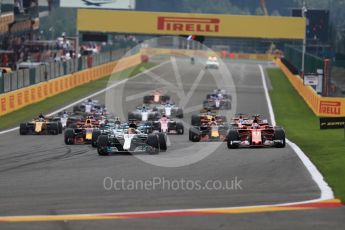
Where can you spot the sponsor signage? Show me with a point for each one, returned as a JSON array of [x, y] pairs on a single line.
[[99, 4], [330, 107], [12, 106], [332, 122], [217, 25], [191, 25], [311, 79], [3, 105]]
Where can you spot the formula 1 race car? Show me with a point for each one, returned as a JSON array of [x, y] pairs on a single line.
[[130, 139], [144, 113], [206, 127], [156, 98], [254, 132], [61, 117], [89, 106], [169, 109], [41, 126], [168, 126], [73, 119], [218, 100], [212, 63], [115, 126], [81, 132]]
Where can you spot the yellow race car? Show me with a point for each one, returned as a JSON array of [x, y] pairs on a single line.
[[40, 126]]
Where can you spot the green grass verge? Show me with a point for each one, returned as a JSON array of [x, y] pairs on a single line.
[[55, 102], [325, 148]]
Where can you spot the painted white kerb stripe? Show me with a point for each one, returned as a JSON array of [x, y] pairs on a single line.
[[92, 95], [326, 191]]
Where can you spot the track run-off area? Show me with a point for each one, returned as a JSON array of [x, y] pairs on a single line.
[[45, 184]]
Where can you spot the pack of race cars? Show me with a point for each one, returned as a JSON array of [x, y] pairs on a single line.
[[147, 127], [241, 131]]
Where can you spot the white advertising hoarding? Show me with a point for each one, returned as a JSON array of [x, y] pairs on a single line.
[[312, 80], [99, 4]]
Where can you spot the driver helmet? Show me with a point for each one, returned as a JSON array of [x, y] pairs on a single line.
[[255, 125], [117, 121], [256, 119], [41, 116], [131, 130]]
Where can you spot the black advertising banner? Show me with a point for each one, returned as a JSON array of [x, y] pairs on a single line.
[[332, 122]]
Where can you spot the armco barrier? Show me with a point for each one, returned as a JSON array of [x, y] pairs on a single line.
[[321, 106], [20, 98]]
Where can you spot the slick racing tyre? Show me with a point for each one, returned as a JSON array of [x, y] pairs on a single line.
[[195, 120], [179, 128], [148, 99], [95, 135], [153, 143], [54, 129], [233, 136], [132, 116], [102, 145], [162, 142], [227, 105], [165, 98], [69, 136], [279, 135], [60, 127], [194, 134], [23, 129], [179, 113]]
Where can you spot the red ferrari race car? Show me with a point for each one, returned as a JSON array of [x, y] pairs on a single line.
[[81, 132], [245, 132], [208, 127], [156, 98]]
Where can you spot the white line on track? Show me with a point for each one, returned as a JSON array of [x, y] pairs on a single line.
[[92, 95], [326, 191]]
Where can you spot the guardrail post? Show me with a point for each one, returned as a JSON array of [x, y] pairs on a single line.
[[1, 83], [32, 76]]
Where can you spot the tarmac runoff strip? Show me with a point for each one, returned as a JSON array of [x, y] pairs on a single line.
[[299, 206]]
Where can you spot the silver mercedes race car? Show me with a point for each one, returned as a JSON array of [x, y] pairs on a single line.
[[169, 109], [144, 113], [130, 139]]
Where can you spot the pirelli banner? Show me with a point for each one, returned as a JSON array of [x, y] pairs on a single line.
[[217, 25]]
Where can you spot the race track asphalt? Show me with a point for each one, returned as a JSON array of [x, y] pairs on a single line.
[[40, 175]]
